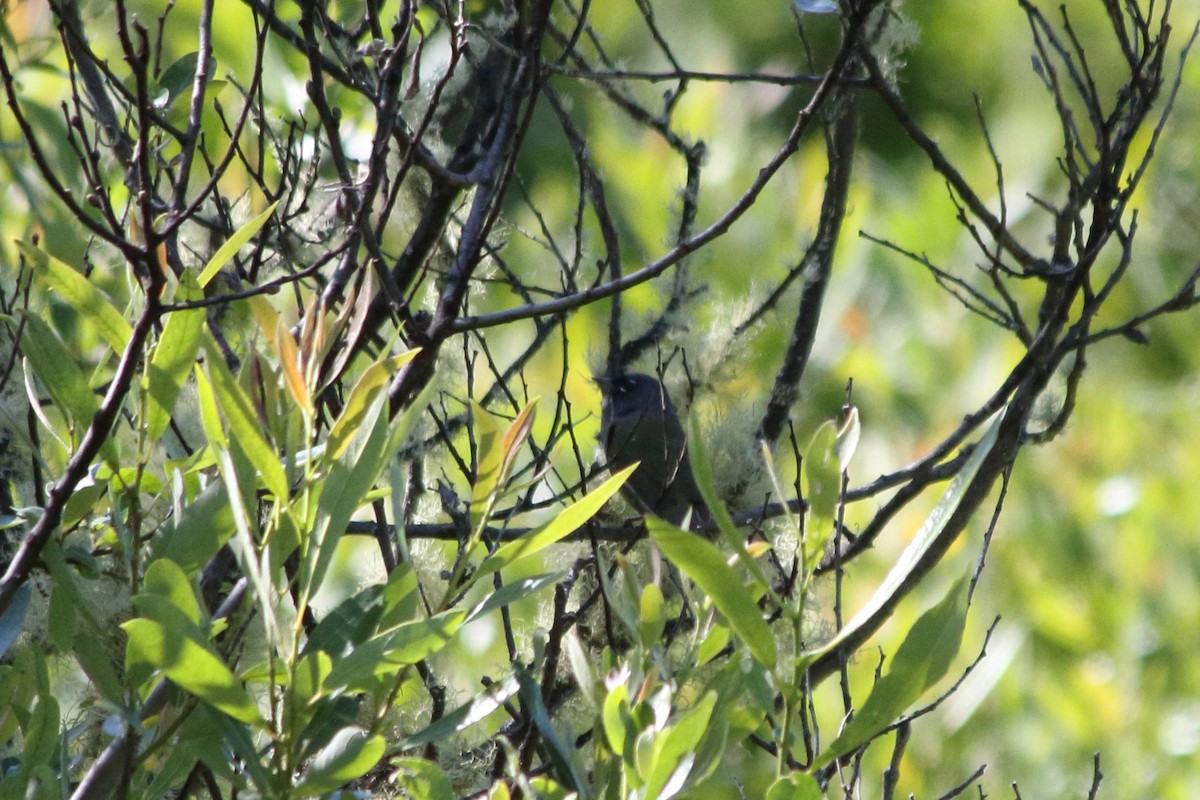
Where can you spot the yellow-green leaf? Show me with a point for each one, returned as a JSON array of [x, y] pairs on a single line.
[[71, 287], [234, 243], [701, 561]]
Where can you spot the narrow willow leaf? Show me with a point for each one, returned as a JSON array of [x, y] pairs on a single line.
[[795, 786], [289, 363], [564, 524], [58, 370], [387, 653], [496, 455], [172, 359], [349, 755], [362, 397], [922, 660], [705, 565], [71, 287], [915, 552], [345, 489], [480, 707], [562, 756], [243, 423], [234, 243], [702, 469], [191, 664], [513, 591]]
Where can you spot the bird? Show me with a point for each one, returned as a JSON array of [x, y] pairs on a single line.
[[638, 423]]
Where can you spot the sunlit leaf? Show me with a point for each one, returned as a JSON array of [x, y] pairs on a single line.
[[915, 552], [71, 287], [387, 653], [191, 664], [243, 424], [564, 524], [349, 755], [921, 661], [699, 560], [795, 786], [496, 455], [363, 396], [172, 359], [234, 243], [463, 717]]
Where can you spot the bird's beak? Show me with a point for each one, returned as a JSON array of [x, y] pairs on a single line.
[[605, 383]]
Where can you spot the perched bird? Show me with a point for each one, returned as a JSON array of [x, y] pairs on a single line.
[[638, 423]]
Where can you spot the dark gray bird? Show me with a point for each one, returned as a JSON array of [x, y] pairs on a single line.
[[638, 423]]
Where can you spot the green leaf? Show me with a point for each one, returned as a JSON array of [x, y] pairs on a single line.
[[166, 579], [204, 743], [349, 755], [243, 423], [672, 750], [350, 623], [564, 524], [922, 660], [363, 397], [61, 625], [40, 740], [704, 564], [561, 756], [417, 777], [653, 616], [350, 477], [71, 287], [234, 243], [329, 716], [18, 689], [795, 786], [615, 715], [97, 663], [190, 663], [177, 79], [235, 739], [172, 359], [511, 592], [702, 469], [204, 526], [823, 475], [387, 653], [58, 370], [12, 621], [496, 456], [700, 463], [916, 550], [480, 707]]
